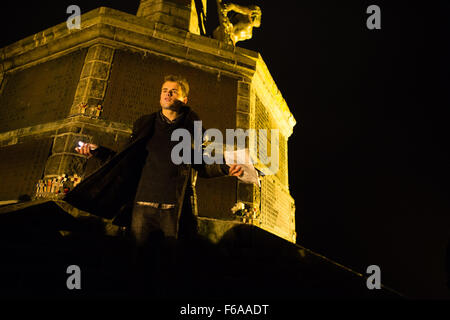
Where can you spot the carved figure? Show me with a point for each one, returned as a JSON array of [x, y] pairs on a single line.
[[236, 22]]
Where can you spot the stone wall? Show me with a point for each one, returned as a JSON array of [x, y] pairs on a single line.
[[61, 86]]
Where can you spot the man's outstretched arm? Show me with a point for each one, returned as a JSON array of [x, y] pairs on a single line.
[[103, 153]]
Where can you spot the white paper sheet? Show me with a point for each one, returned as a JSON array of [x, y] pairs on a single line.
[[243, 159]]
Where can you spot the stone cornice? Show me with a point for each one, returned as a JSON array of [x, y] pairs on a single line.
[[50, 127], [133, 31]]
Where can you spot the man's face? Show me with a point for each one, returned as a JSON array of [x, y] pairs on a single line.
[[170, 93]]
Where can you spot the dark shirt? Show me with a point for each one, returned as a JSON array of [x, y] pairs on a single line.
[[159, 174]]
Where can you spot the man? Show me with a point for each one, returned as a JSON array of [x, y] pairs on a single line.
[[142, 179]]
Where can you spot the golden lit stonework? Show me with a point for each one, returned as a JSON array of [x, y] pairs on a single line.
[[91, 84]]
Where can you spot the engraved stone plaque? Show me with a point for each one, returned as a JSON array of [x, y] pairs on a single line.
[[264, 120], [22, 165], [40, 94], [135, 85], [277, 208]]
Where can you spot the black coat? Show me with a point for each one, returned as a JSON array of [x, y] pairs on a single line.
[[109, 191]]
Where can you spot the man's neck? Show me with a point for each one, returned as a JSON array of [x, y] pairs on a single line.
[[170, 114]]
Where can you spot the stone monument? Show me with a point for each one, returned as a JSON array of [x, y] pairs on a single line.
[[60, 86]]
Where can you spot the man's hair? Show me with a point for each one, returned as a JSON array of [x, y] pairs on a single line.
[[182, 82]]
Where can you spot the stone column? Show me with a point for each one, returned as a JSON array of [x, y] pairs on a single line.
[[182, 14], [243, 113], [93, 80], [249, 194], [64, 162]]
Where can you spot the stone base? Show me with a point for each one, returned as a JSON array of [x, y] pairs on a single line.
[[226, 260]]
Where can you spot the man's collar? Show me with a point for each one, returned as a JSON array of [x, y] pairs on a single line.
[[167, 120]]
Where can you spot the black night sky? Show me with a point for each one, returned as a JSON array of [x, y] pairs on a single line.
[[368, 159]]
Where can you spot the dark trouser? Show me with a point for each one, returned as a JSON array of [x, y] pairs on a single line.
[[154, 233]]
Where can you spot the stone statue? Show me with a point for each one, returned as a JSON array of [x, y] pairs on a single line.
[[238, 25]]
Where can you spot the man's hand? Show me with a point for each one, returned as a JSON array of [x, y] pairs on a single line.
[[235, 170], [85, 148]]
